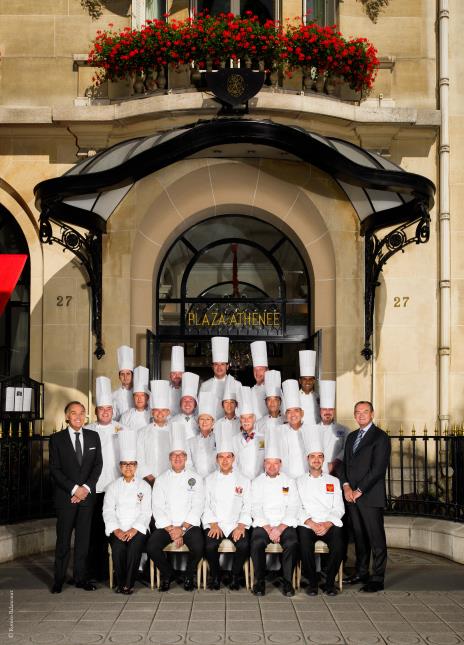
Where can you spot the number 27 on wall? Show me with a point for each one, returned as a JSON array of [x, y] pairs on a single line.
[[400, 301], [63, 301]]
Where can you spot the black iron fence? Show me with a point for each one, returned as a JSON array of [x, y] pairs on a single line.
[[425, 476]]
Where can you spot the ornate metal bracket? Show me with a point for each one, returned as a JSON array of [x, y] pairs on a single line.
[[88, 250], [377, 252]]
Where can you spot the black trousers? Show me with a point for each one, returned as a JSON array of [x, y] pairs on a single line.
[[334, 540], [98, 548], [241, 554], [289, 543], [126, 558], [77, 517], [369, 538], [160, 538]]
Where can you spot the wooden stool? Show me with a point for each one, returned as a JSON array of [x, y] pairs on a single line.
[[273, 547], [319, 549], [172, 548], [226, 546], [111, 570]]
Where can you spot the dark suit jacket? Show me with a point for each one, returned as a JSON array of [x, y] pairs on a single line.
[[64, 467], [366, 469]]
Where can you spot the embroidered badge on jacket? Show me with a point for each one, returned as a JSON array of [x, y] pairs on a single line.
[[140, 496], [285, 490], [329, 488], [238, 490]]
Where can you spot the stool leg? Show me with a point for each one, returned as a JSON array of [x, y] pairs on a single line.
[[158, 578], [252, 574], [246, 571], [340, 576], [205, 572], [110, 566], [199, 570]]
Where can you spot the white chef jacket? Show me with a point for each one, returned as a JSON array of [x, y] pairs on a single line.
[[321, 499], [333, 438], [190, 423], [135, 420], [274, 500], [175, 395], [294, 460], [153, 448], [227, 501], [178, 498], [249, 455], [127, 505], [310, 405], [267, 423], [203, 453], [217, 386], [110, 452], [122, 401], [226, 428], [259, 400]]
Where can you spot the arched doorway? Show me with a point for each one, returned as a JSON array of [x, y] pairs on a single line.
[[236, 276]]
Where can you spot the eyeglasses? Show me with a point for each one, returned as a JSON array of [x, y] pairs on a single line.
[[132, 464]]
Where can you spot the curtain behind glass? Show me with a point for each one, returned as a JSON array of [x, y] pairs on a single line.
[[155, 9]]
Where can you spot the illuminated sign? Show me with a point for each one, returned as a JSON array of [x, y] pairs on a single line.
[[234, 319]]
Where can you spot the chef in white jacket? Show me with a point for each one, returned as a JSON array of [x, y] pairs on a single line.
[[227, 514], [153, 444], [175, 377], [202, 447], [188, 404], [108, 430], [127, 514], [260, 366], [308, 397], [220, 366], [272, 388], [249, 443], [139, 416], [178, 502], [333, 434], [122, 397], [320, 518], [229, 424], [274, 509]]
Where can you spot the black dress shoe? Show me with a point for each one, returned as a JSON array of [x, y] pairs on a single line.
[[85, 585], [355, 579], [372, 587], [329, 590], [57, 588], [118, 590], [259, 588], [288, 589], [128, 592], [214, 584], [165, 584], [311, 591], [235, 583], [189, 584]]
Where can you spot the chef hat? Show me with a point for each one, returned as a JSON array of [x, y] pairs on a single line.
[[259, 353], [224, 443], [272, 383], [127, 440], [177, 359], [103, 395], [313, 440], [177, 437], [307, 362], [125, 358], [190, 384], [207, 404], [220, 349], [327, 394], [231, 388], [246, 402], [273, 445], [291, 392], [141, 377], [160, 395]]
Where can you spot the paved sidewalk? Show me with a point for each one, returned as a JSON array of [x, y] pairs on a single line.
[[423, 603]]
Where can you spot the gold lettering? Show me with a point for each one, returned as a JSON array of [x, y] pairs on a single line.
[[247, 319], [276, 318], [222, 320], [205, 321], [191, 318], [254, 317], [262, 319], [232, 320], [213, 321]]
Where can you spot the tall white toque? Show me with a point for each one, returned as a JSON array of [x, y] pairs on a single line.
[[190, 383], [220, 349], [103, 395], [273, 445], [307, 362], [313, 441], [141, 378], [177, 437], [177, 359], [259, 353], [207, 404], [160, 395], [224, 443], [291, 392], [231, 389], [125, 358], [127, 441], [272, 383], [246, 401], [327, 391]]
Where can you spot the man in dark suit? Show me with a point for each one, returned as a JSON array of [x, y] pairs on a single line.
[[367, 453], [75, 466]]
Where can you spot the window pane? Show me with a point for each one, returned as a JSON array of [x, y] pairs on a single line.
[[154, 9], [246, 228], [264, 9], [293, 270], [173, 270], [213, 6], [321, 11]]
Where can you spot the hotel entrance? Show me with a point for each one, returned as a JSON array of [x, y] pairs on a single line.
[[232, 276]]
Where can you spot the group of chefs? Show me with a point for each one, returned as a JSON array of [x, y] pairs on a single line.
[[194, 464]]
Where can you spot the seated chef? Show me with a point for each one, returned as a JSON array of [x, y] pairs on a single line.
[[229, 424], [139, 416], [127, 514], [249, 443], [321, 513], [274, 509], [227, 514], [153, 441], [175, 377], [188, 404], [122, 397], [273, 391], [177, 505], [202, 447]]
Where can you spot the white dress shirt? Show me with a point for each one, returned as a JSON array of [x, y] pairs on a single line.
[[228, 501], [249, 455], [203, 453], [153, 448], [72, 434], [122, 401], [127, 505], [178, 498], [274, 500], [321, 499], [136, 419], [109, 439]]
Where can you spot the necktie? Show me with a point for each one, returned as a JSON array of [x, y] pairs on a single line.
[[358, 440], [78, 448]]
